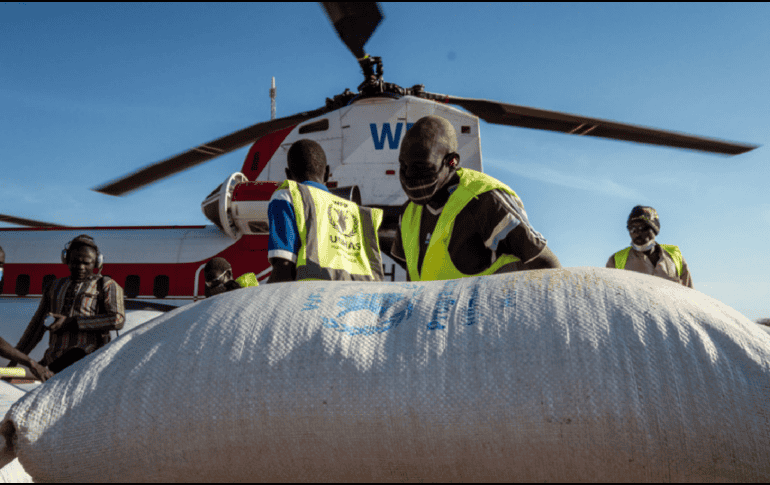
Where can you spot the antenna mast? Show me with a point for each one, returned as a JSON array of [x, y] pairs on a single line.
[[272, 100]]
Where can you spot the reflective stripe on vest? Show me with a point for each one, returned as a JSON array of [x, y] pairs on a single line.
[[621, 257], [247, 279], [339, 238], [437, 263]]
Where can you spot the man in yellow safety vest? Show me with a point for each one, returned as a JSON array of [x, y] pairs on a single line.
[[315, 235], [218, 274], [645, 255], [459, 222]]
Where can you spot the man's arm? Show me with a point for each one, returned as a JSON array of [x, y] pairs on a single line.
[[506, 230], [284, 239], [14, 355], [283, 270], [114, 315], [545, 260], [36, 327]]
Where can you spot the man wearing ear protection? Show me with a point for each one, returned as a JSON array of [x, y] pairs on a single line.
[[218, 274], [459, 222], [85, 307]]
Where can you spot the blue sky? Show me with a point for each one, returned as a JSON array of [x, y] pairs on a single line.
[[92, 91]]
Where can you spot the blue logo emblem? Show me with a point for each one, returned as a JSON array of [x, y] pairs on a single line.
[[390, 309]]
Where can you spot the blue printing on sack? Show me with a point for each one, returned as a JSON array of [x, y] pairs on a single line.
[[377, 303], [443, 305]]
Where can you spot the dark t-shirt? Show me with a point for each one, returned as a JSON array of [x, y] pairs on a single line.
[[492, 224]]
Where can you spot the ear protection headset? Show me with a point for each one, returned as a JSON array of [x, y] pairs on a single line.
[[82, 240], [452, 160]]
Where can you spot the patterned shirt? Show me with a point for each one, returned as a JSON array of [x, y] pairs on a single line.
[[79, 300]]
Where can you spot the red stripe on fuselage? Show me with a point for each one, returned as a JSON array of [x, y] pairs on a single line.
[[247, 255], [94, 228], [262, 151]]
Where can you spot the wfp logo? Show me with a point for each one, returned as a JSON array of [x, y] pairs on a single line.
[[393, 136], [388, 310], [342, 220]]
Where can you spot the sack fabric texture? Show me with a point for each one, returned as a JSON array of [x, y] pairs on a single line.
[[580, 374]]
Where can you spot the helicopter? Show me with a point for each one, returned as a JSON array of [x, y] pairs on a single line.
[[360, 132]]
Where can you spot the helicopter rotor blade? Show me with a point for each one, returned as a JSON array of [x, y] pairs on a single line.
[[354, 22], [525, 117], [200, 154], [20, 221]]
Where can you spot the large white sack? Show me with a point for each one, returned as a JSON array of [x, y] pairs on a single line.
[[576, 374], [14, 473]]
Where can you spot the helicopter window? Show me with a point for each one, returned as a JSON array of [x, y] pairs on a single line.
[[320, 125], [47, 280], [132, 286], [160, 286], [465, 130], [255, 162], [22, 285]]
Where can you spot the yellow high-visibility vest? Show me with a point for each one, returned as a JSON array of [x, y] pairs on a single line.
[[339, 237], [621, 257], [247, 279], [437, 264]]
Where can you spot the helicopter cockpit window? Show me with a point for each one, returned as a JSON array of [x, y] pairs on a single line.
[[132, 286], [320, 125], [160, 286], [22, 285]]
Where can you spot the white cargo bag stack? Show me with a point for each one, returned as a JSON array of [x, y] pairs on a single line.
[[558, 375]]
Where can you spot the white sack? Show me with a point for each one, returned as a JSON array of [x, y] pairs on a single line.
[[14, 473], [575, 374]]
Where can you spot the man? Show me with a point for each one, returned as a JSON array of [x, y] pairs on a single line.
[[645, 255], [315, 235], [219, 277], [85, 307], [459, 222]]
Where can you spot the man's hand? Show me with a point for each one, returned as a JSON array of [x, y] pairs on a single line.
[[41, 372], [60, 323]]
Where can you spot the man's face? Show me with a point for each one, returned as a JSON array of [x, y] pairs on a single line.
[[214, 280], [641, 233], [82, 263], [417, 162], [422, 171]]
